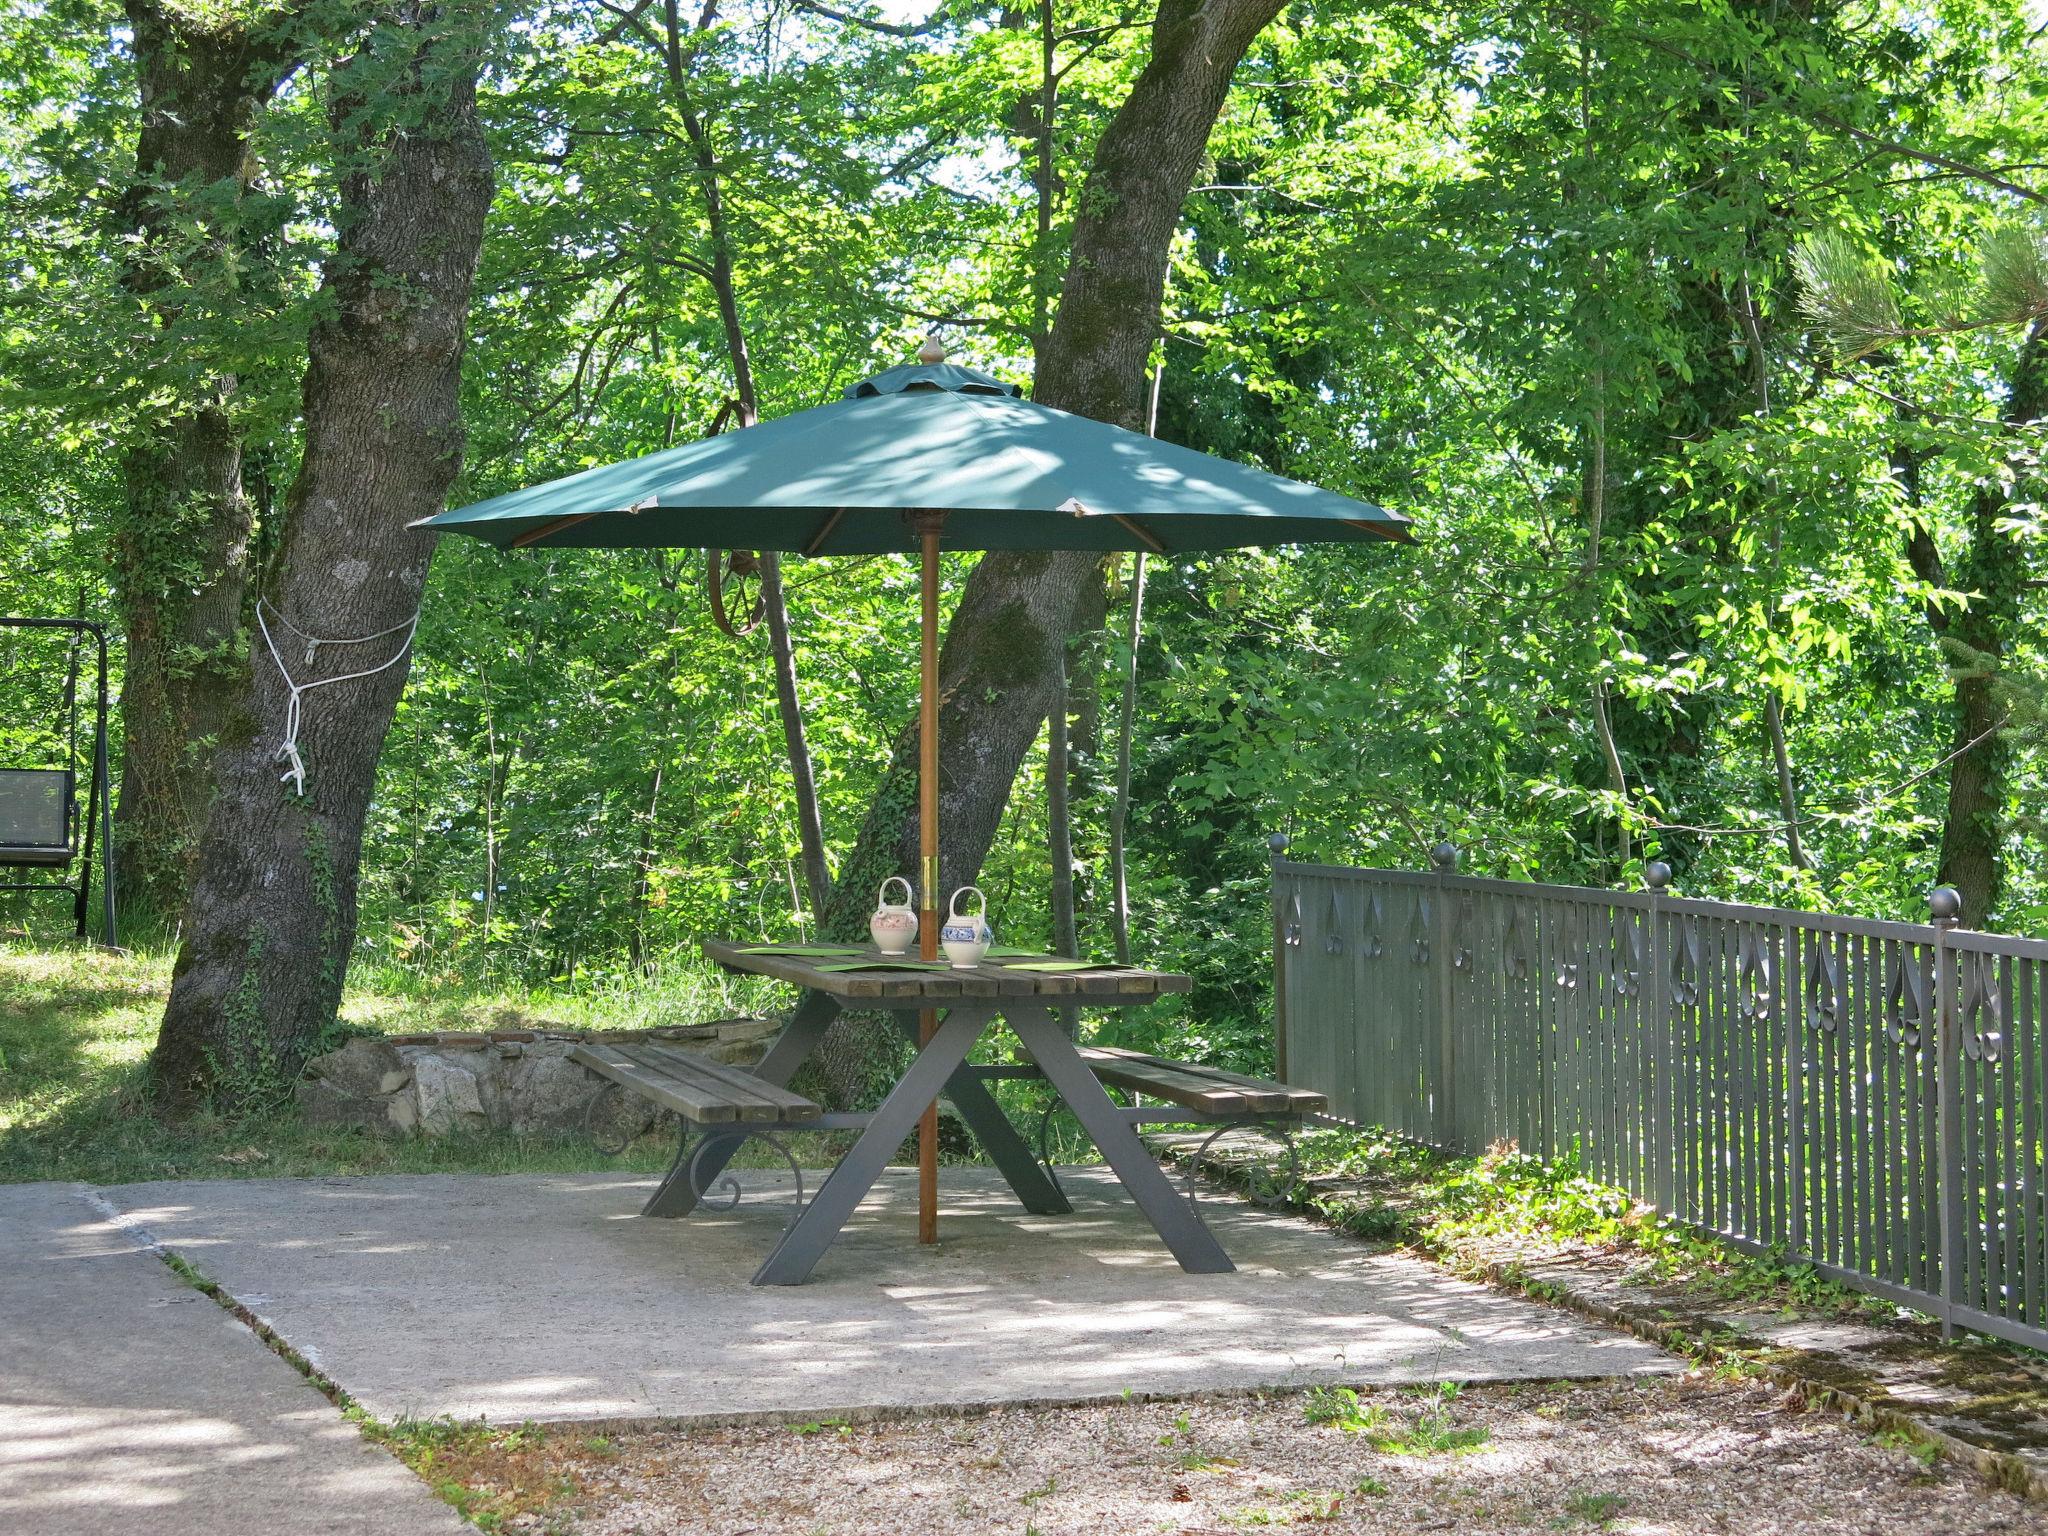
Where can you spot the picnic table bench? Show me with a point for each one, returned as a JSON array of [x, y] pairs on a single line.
[[723, 1105]]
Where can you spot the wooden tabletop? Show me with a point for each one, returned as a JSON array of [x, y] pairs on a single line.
[[1108, 986]]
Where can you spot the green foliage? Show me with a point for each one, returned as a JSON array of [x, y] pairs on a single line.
[[1436, 258], [1847, 293]]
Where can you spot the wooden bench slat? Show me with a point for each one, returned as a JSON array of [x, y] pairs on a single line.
[[1176, 1086], [1193, 1086], [688, 1067], [702, 1091], [790, 1106], [687, 1099], [1301, 1101], [753, 1097]]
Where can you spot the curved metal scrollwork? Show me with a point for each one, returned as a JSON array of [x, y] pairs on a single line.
[[1514, 947], [1823, 985], [1278, 1132], [1755, 974], [1628, 968], [1983, 999], [726, 1183], [1464, 917], [1906, 1009], [605, 1142], [1418, 932], [1685, 963]]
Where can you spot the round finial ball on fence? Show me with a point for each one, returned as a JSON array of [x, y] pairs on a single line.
[[1445, 857], [1277, 842], [1657, 874], [1946, 903]]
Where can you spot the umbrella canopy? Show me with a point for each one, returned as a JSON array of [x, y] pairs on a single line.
[[837, 479]]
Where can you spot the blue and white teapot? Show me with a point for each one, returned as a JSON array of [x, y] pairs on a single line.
[[965, 937]]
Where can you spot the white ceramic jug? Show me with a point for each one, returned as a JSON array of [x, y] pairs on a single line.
[[894, 925], [966, 936]]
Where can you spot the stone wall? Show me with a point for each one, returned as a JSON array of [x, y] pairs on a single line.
[[505, 1080]]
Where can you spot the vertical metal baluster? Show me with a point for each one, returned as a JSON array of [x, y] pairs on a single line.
[[1848, 1013], [1869, 1017], [1946, 906], [2024, 1065], [1848, 1016], [1657, 1014], [2008, 1149]]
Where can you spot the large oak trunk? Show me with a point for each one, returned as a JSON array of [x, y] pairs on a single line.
[[1975, 640], [998, 670], [182, 548], [272, 913]]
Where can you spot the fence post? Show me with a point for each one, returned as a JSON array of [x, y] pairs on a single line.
[[1656, 995], [1946, 906], [1277, 847], [1443, 860]]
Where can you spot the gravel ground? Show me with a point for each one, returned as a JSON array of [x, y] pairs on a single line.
[[1665, 1456]]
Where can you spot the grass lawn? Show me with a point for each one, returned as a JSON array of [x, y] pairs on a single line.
[[76, 1026]]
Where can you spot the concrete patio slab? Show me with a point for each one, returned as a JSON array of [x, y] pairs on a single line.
[[546, 1297], [130, 1402]]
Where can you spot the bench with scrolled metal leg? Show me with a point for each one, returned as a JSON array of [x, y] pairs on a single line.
[[708, 1095], [1197, 1095]]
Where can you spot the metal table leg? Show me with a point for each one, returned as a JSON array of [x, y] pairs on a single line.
[[812, 1233], [1177, 1224], [977, 1107], [799, 1037]]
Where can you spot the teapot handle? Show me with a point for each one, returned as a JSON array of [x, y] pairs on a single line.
[[954, 907], [909, 896]]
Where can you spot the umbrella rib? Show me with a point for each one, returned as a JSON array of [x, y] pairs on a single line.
[[1141, 533], [535, 535], [1377, 530], [824, 531]]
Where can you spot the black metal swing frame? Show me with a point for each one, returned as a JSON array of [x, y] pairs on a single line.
[[98, 818]]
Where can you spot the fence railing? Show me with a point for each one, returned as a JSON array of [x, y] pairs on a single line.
[[1864, 1095]]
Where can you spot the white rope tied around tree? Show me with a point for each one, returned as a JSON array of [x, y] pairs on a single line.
[[288, 749]]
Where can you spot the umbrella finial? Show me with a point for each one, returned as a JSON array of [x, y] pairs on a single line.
[[933, 351]]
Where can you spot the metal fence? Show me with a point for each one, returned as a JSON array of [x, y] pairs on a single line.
[[1864, 1095]]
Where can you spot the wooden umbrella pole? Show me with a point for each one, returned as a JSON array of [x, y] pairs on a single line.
[[928, 865]]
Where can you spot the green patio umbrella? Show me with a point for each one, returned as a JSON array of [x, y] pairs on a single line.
[[925, 457]]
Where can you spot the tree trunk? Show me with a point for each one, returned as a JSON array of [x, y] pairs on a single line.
[[673, 46], [183, 543], [272, 913], [1126, 727], [1974, 640], [810, 822], [1059, 824], [999, 669]]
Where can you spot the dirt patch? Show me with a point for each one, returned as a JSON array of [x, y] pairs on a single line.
[[1691, 1455]]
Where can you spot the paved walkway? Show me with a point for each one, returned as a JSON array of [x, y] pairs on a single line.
[[130, 1402], [545, 1297]]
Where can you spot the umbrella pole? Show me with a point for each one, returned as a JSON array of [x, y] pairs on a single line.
[[928, 862]]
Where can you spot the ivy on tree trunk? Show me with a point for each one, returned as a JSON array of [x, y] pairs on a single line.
[[183, 543], [272, 914]]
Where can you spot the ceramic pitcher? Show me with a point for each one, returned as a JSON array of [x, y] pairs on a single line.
[[966, 936], [894, 924]]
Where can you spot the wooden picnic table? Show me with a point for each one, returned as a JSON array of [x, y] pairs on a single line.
[[1017, 990]]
